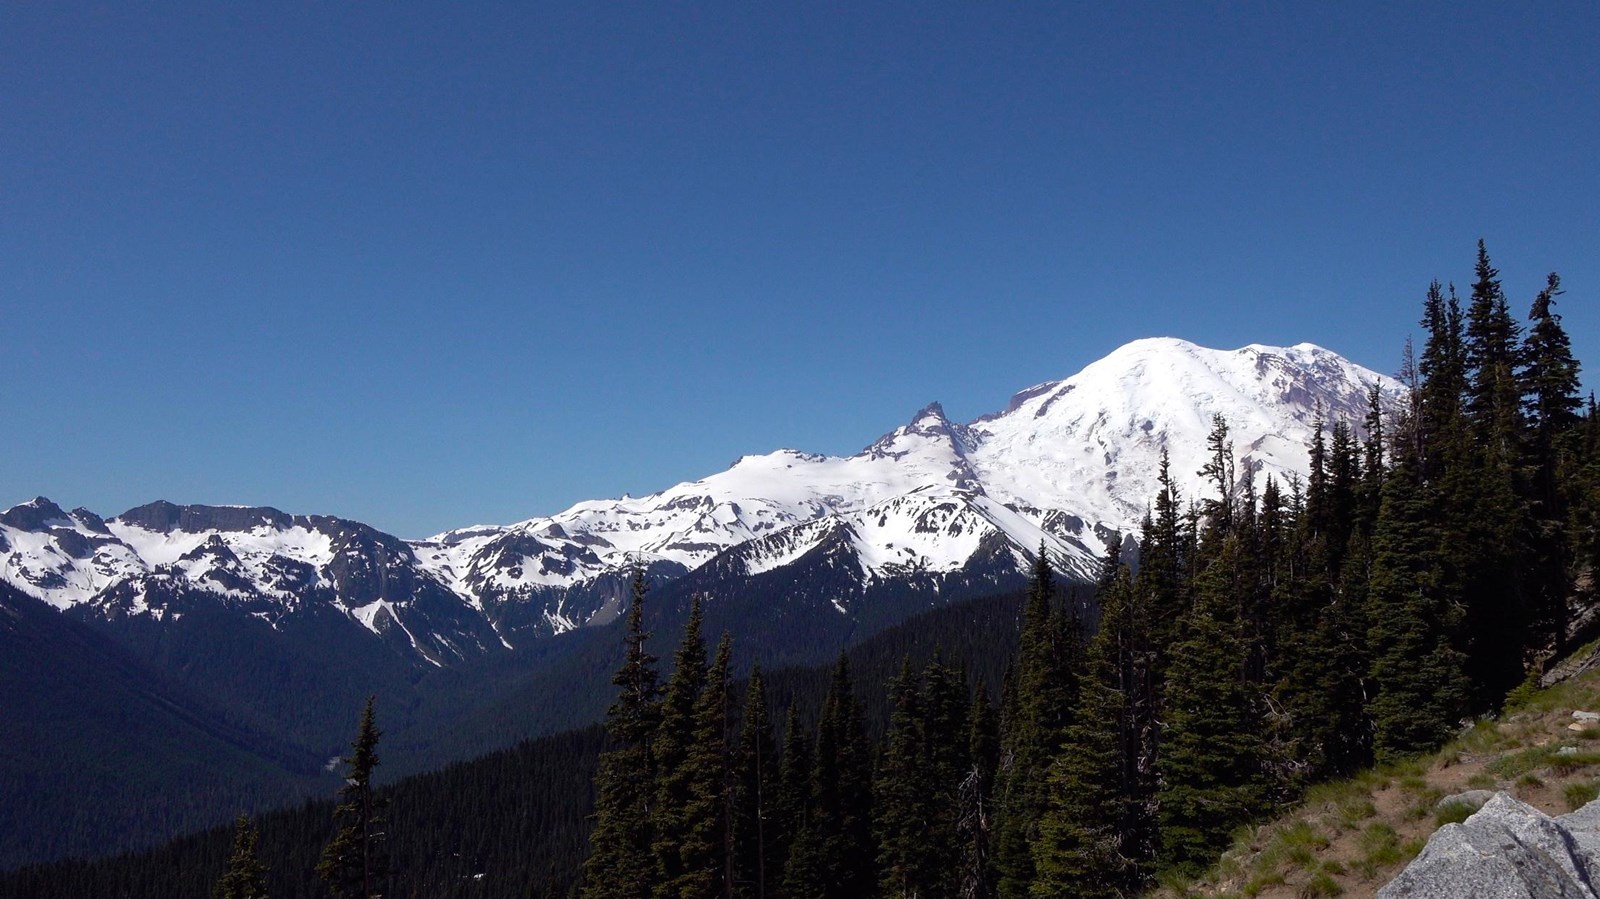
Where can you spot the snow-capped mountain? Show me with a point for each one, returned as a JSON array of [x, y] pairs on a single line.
[[1067, 464]]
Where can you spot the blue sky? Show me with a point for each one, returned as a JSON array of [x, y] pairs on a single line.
[[430, 265]]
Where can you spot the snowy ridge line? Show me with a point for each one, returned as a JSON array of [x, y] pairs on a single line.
[[1066, 464]]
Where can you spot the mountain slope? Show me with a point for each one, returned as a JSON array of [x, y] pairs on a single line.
[[102, 752]]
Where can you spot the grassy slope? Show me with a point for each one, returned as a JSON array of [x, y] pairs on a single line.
[[1349, 838]]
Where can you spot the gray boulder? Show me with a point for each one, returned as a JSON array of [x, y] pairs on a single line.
[[1507, 850], [1473, 799]]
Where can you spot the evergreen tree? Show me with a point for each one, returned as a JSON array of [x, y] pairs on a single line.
[[902, 805], [674, 741], [1417, 673], [705, 855], [1550, 385], [975, 825], [946, 742], [1493, 397], [621, 863], [832, 856], [355, 863], [246, 876], [1096, 834], [1212, 752], [756, 827], [794, 792], [1046, 689]]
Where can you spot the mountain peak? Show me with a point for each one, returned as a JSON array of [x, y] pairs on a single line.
[[36, 514]]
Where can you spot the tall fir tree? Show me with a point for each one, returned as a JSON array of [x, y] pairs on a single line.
[[355, 863], [975, 822], [756, 828], [902, 802], [245, 876], [1212, 760], [674, 742], [1417, 673], [1550, 388], [1046, 690], [794, 793], [705, 851], [832, 855], [1096, 836], [621, 863]]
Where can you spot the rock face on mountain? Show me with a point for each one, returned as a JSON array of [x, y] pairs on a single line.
[[1507, 850], [933, 506]]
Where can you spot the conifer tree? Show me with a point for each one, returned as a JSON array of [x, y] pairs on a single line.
[[975, 824], [794, 792], [246, 876], [1095, 837], [1046, 690], [1493, 398], [756, 828], [705, 854], [832, 855], [902, 806], [1212, 751], [1550, 384], [621, 864], [1417, 673], [674, 741], [355, 863], [1163, 566]]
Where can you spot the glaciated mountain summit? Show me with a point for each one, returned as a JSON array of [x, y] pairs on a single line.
[[1067, 463]]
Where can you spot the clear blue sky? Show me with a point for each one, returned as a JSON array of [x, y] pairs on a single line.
[[427, 266]]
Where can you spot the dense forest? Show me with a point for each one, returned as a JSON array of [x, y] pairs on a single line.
[[517, 817], [1267, 636]]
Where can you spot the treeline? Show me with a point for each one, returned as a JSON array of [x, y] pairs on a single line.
[[1273, 635]]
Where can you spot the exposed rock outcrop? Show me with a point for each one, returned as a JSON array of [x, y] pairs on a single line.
[[1507, 850]]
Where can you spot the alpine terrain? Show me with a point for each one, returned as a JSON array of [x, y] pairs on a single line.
[[934, 505]]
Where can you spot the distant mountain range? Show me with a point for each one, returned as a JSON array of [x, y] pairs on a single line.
[[933, 506], [184, 662]]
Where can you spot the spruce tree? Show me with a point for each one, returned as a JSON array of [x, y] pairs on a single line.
[[621, 864], [756, 828], [1417, 673], [246, 876], [1550, 385], [1095, 837], [355, 863], [674, 741], [1212, 750], [832, 856], [1045, 693], [705, 856], [975, 823], [794, 792], [902, 806]]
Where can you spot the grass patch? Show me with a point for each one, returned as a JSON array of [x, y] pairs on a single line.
[[1320, 884], [1483, 780], [1517, 764], [1530, 780], [1484, 737], [1380, 848], [1580, 794], [1453, 813], [1569, 764], [1354, 810]]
